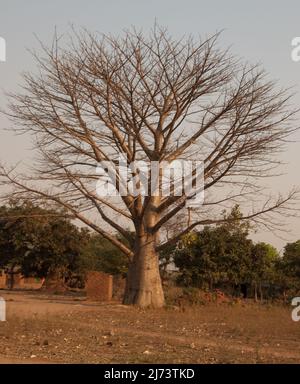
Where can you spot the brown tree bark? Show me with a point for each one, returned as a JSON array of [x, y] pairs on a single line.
[[260, 292], [54, 283], [143, 284], [255, 291]]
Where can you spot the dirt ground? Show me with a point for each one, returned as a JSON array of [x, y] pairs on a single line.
[[44, 328]]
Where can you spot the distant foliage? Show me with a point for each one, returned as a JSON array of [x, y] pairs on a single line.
[[100, 254], [289, 266], [40, 242], [224, 256]]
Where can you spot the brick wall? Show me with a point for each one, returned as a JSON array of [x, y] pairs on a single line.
[[20, 282], [31, 283], [2, 280], [99, 286]]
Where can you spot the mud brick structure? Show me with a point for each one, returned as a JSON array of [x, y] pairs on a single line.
[[19, 281], [99, 286], [2, 280], [31, 283]]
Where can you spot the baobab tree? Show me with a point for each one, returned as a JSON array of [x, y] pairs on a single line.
[[156, 99]]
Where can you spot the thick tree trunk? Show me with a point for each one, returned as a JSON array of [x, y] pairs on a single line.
[[255, 291], [54, 283], [143, 284], [260, 292]]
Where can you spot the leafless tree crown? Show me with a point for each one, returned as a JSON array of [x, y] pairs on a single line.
[[149, 98]]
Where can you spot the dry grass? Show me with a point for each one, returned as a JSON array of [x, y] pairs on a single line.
[[63, 329]]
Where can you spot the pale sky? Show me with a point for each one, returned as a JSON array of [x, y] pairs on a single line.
[[258, 31]]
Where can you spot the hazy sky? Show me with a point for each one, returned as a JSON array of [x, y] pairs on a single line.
[[259, 31]]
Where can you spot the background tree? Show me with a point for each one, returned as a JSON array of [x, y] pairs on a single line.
[[224, 256], [264, 261], [216, 255], [100, 254], [289, 266], [42, 243], [154, 99]]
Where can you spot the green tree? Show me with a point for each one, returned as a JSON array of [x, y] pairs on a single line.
[[216, 255], [289, 266], [264, 261], [101, 255], [41, 242]]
